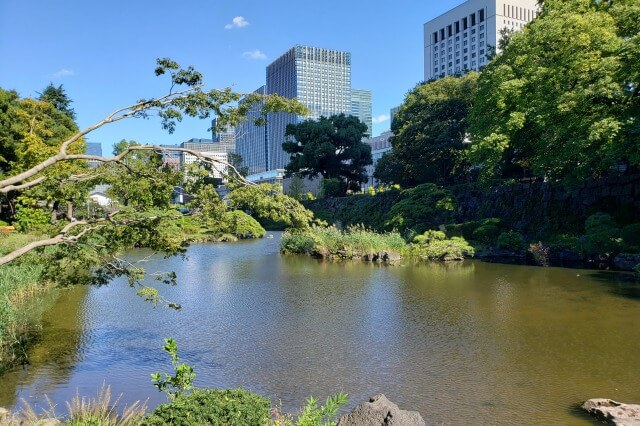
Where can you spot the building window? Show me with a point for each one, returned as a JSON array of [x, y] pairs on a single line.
[[449, 31], [457, 54], [442, 34], [466, 50], [473, 19], [466, 58], [457, 27], [450, 56], [465, 35], [457, 61], [457, 46], [473, 31], [481, 35], [450, 64], [481, 13], [473, 47], [481, 27], [482, 51], [458, 38], [473, 39], [464, 43], [450, 48], [435, 70], [473, 63], [465, 23], [473, 54]]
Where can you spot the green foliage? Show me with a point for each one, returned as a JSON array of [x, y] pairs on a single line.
[[423, 207], [601, 235], [488, 231], [30, 219], [630, 235], [331, 147], [57, 97], [434, 245], [176, 385], [242, 225], [561, 101], [429, 133], [333, 187], [229, 407], [270, 206], [314, 415], [330, 241], [511, 240]]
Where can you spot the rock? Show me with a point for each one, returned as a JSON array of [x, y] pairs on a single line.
[[3, 413], [391, 257], [379, 411], [626, 262], [613, 412]]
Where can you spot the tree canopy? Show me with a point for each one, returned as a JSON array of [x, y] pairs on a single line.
[[562, 100], [429, 133], [331, 147]]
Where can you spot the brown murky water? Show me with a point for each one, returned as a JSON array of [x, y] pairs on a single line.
[[474, 343]]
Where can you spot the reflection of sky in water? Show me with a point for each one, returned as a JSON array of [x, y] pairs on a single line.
[[462, 343]]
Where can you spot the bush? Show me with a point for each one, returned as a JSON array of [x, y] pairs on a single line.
[[487, 233], [32, 220], [227, 407], [242, 225], [297, 242], [630, 235], [425, 206], [434, 245], [511, 240], [601, 235], [540, 253], [333, 187]]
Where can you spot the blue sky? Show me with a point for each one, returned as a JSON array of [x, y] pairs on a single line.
[[104, 52]]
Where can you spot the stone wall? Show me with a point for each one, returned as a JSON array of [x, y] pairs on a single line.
[[540, 207]]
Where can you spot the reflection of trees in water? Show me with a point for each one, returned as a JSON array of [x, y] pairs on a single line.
[[52, 358]]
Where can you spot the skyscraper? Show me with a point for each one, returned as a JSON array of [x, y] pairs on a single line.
[[361, 108], [319, 78], [225, 136], [459, 40], [252, 141]]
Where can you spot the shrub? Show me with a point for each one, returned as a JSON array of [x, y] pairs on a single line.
[[333, 187], [434, 245], [3, 223], [297, 242], [31, 220], [511, 240], [630, 235], [229, 407], [486, 233], [601, 235], [425, 206], [242, 225], [540, 253]]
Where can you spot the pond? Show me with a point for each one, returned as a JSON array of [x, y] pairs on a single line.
[[469, 343]]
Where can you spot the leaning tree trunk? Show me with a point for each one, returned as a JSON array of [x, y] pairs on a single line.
[[69, 210]]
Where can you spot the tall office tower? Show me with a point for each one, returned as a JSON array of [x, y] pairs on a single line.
[[318, 78], [361, 108], [392, 115], [459, 40], [94, 148], [226, 136], [252, 141]]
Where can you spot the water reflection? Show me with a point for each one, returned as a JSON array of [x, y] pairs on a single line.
[[462, 343]]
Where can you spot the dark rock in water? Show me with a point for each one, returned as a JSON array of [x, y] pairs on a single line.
[[379, 411], [499, 253], [613, 412], [626, 262]]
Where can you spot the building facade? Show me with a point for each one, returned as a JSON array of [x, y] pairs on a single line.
[[380, 145], [226, 136], [252, 142], [319, 78], [460, 39], [361, 108]]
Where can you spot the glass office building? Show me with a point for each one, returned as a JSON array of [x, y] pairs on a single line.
[[361, 108]]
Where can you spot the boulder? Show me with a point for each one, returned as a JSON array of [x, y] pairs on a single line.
[[379, 411], [613, 412], [391, 257]]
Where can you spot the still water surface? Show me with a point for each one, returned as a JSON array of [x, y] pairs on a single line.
[[471, 343]]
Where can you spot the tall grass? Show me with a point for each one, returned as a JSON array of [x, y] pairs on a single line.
[[355, 240], [20, 285]]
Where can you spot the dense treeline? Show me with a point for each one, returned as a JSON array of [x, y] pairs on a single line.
[[561, 102]]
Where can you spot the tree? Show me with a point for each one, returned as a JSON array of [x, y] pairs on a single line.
[[389, 169], [57, 97], [96, 239], [561, 101], [331, 147], [429, 133]]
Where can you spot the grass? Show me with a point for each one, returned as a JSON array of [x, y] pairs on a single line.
[[330, 241], [20, 285]]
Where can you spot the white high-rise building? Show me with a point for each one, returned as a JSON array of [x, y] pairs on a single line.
[[460, 39]]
